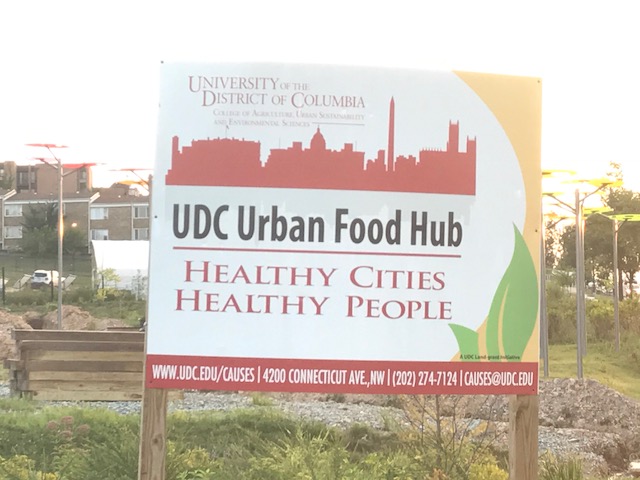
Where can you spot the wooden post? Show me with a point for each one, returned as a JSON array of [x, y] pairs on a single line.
[[523, 437], [153, 421], [153, 434]]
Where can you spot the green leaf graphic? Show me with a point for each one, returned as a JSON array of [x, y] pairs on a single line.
[[467, 342], [493, 319], [513, 310], [520, 307]]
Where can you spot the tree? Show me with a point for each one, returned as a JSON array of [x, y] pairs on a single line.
[[74, 240], [6, 182], [599, 239], [552, 246], [40, 232], [568, 248], [626, 201]]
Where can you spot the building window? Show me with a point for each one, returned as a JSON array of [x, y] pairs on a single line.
[[99, 213], [23, 179], [99, 234], [13, 210], [141, 234], [82, 180], [13, 231], [141, 212]]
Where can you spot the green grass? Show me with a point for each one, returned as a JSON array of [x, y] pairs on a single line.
[[601, 363]]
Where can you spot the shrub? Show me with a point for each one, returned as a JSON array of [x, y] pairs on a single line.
[[62, 432], [29, 297], [79, 296], [112, 458], [21, 467], [558, 468], [445, 438], [260, 399], [600, 320], [561, 314], [630, 316], [487, 471]]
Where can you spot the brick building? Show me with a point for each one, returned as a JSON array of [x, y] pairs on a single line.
[[115, 213]]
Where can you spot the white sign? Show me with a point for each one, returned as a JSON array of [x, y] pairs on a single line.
[[339, 229]]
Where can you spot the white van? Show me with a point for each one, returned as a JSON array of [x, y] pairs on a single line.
[[44, 278]]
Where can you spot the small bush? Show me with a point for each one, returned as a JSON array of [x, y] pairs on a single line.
[[79, 296], [260, 399], [337, 397], [630, 316], [561, 314], [558, 468], [487, 471], [28, 297], [21, 467], [600, 320]]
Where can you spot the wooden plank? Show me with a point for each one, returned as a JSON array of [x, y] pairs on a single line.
[[70, 376], [79, 386], [93, 365], [523, 437], [86, 396], [13, 364], [132, 394], [46, 355], [79, 335], [80, 346], [153, 433]]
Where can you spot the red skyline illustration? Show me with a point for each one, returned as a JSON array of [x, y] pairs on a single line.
[[236, 163]]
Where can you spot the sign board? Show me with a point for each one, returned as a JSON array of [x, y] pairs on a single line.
[[342, 229]]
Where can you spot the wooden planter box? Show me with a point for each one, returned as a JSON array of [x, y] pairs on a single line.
[[78, 365]]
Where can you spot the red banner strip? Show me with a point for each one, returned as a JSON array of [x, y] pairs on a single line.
[[341, 376]]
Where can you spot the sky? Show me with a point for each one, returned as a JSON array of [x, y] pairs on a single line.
[[85, 74]]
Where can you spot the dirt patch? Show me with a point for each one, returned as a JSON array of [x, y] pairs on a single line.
[[73, 318], [8, 323]]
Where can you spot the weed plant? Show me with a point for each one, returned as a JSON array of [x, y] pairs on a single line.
[[555, 468]]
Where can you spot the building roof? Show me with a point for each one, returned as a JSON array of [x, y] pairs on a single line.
[[112, 198], [27, 197], [5, 194]]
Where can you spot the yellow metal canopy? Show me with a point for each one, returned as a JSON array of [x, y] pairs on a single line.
[[626, 217]]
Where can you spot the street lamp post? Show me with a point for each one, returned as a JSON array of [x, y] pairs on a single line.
[[50, 146], [577, 210], [60, 245], [580, 304], [616, 218], [616, 293], [544, 320]]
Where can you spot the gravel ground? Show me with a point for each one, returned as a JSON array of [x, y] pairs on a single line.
[[337, 414]]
